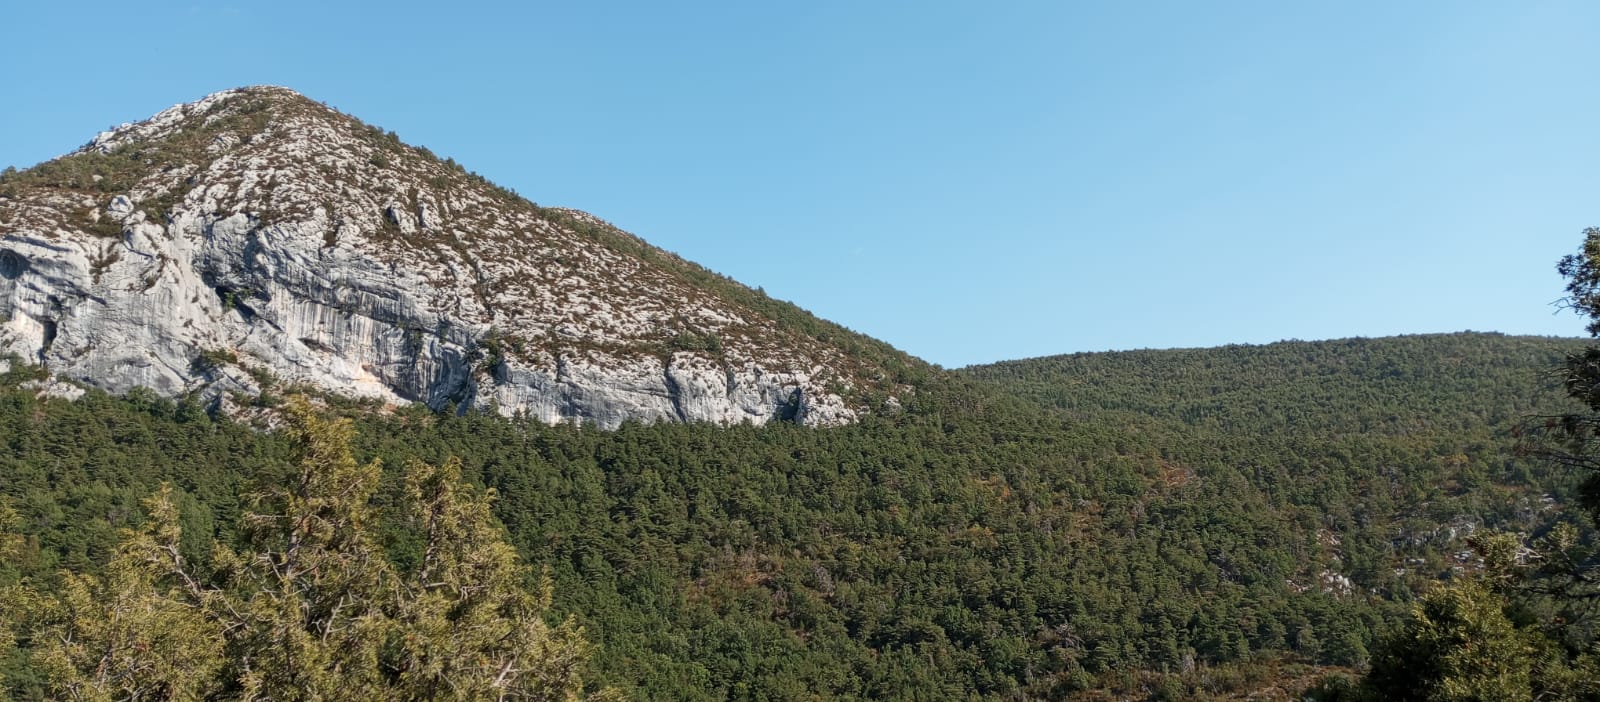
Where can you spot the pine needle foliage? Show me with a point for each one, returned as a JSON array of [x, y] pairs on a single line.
[[311, 607]]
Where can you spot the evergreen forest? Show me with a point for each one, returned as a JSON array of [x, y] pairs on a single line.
[[1184, 524]]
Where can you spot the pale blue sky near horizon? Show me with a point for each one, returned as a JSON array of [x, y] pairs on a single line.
[[971, 182]]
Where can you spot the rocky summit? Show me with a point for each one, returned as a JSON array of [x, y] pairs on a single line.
[[257, 239]]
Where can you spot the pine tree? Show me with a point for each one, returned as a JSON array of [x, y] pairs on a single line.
[[132, 634], [13, 598], [312, 608], [1458, 646]]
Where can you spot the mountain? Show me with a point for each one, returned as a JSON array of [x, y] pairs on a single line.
[[1191, 524], [1188, 524], [258, 239]]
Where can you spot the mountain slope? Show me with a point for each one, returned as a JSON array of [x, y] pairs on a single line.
[[256, 235], [970, 547], [1391, 386], [1391, 446]]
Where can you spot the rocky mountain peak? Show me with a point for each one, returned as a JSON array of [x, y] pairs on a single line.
[[197, 115], [258, 238]]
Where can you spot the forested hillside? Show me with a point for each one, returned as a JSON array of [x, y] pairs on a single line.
[[1390, 386], [1166, 523]]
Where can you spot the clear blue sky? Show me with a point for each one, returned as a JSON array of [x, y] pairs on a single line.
[[968, 181]]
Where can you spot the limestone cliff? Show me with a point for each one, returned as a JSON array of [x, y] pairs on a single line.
[[256, 236]]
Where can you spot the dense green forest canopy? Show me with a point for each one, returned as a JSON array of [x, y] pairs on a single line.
[[1391, 386], [1039, 527]]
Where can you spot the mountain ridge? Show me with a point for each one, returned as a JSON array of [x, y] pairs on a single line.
[[287, 240]]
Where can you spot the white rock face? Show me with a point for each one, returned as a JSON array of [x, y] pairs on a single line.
[[263, 236]]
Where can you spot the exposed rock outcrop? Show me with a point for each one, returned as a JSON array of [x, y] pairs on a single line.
[[256, 236]]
